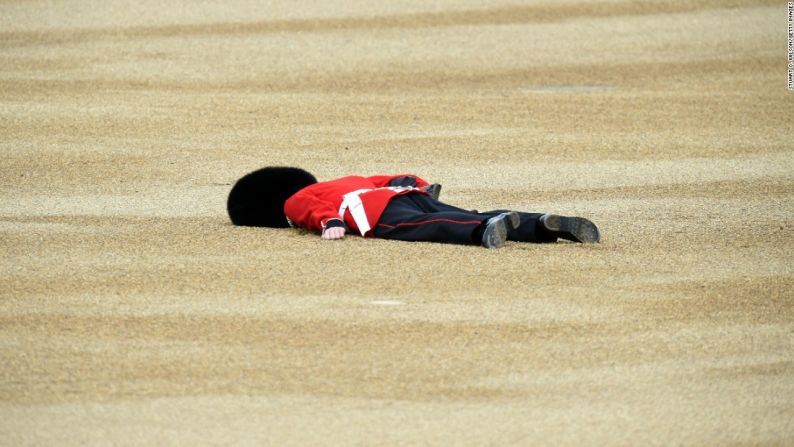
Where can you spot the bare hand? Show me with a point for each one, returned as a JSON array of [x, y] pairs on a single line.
[[334, 233]]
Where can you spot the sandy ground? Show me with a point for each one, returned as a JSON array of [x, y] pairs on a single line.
[[133, 313]]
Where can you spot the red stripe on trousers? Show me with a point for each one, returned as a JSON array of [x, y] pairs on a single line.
[[413, 224]]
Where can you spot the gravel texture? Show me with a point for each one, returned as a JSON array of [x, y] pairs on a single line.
[[133, 313]]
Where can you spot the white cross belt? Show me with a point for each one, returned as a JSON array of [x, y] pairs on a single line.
[[352, 201]]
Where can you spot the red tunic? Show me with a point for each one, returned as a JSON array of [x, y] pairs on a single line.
[[312, 207]]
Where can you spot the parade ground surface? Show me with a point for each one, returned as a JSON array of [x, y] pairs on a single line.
[[133, 313]]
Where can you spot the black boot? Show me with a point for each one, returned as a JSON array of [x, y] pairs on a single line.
[[577, 229], [495, 233]]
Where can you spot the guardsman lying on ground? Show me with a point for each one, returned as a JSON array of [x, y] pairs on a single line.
[[402, 207]]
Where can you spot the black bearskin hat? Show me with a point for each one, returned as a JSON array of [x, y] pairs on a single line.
[[257, 199]]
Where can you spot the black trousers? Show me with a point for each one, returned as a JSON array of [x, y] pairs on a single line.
[[418, 217]]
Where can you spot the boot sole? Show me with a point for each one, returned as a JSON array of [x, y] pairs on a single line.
[[495, 234], [577, 229]]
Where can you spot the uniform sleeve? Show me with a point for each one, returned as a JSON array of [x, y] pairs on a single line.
[[308, 211], [385, 180]]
